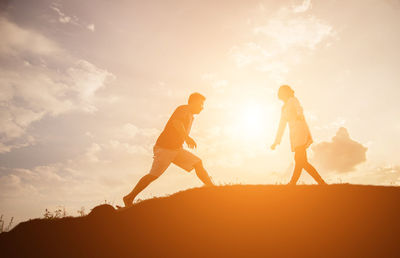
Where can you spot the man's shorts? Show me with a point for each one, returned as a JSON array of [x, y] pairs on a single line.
[[164, 157]]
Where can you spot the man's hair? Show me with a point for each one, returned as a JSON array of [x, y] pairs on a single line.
[[285, 90], [196, 96]]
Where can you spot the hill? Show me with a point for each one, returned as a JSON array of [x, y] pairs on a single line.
[[226, 221]]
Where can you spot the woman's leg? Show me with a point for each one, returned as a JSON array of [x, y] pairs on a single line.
[[314, 173], [300, 158], [296, 174], [311, 170]]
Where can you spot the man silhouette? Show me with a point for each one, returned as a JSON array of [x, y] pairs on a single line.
[[168, 148], [300, 136]]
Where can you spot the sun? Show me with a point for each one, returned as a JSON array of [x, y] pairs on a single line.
[[253, 121]]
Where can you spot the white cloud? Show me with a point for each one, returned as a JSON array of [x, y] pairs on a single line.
[[295, 31], [114, 151], [86, 79], [62, 17], [342, 154], [280, 41], [219, 85], [303, 7], [16, 40], [106, 170], [373, 175], [67, 19], [91, 27], [121, 143], [53, 83], [388, 175], [130, 132], [38, 182], [92, 151]]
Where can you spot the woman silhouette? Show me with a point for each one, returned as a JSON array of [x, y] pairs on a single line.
[[300, 136]]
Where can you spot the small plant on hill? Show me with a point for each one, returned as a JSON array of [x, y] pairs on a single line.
[[59, 213], [82, 212], [2, 223]]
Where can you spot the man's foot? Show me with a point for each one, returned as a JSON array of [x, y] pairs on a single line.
[[291, 183], [322, 183], [127, 201]]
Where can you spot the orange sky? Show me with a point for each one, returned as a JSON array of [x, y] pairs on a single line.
[[86, 87]]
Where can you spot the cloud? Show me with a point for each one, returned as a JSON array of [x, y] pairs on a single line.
[[342, 154], [67, 19], [387, 175], [219, 85], [38, 181], [372, 175], [303, 7], [299, 32], [90, 27], [122, 142], [105, 170], [62, 17], [38, 78], [85, 79], [280, 41], [47, 187], [17, 40]]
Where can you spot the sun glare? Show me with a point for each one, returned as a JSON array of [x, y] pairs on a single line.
[[252, 121]]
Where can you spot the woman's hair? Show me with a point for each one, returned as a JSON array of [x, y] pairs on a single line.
[[196, 96], [285, 92]]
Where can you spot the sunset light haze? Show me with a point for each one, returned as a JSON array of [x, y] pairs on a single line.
[[86, 87]]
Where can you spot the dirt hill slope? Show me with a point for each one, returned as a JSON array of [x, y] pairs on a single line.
[[226, 221]]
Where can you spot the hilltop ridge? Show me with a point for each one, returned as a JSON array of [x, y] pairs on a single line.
[[226, 221]]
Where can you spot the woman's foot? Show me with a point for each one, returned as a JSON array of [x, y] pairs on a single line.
[[127, 201]]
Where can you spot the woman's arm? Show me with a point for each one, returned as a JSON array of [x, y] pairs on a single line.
[[281, 130]]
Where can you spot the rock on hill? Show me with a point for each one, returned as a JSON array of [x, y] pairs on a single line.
[[226, 221]]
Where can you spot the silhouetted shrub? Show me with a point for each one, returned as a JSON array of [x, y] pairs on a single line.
[[103, 210]]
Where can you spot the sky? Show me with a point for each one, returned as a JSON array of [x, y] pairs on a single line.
[[87, 86]]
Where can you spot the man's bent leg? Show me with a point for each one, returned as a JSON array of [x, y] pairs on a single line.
[[202, 174], [140, 186], [161, 160]]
